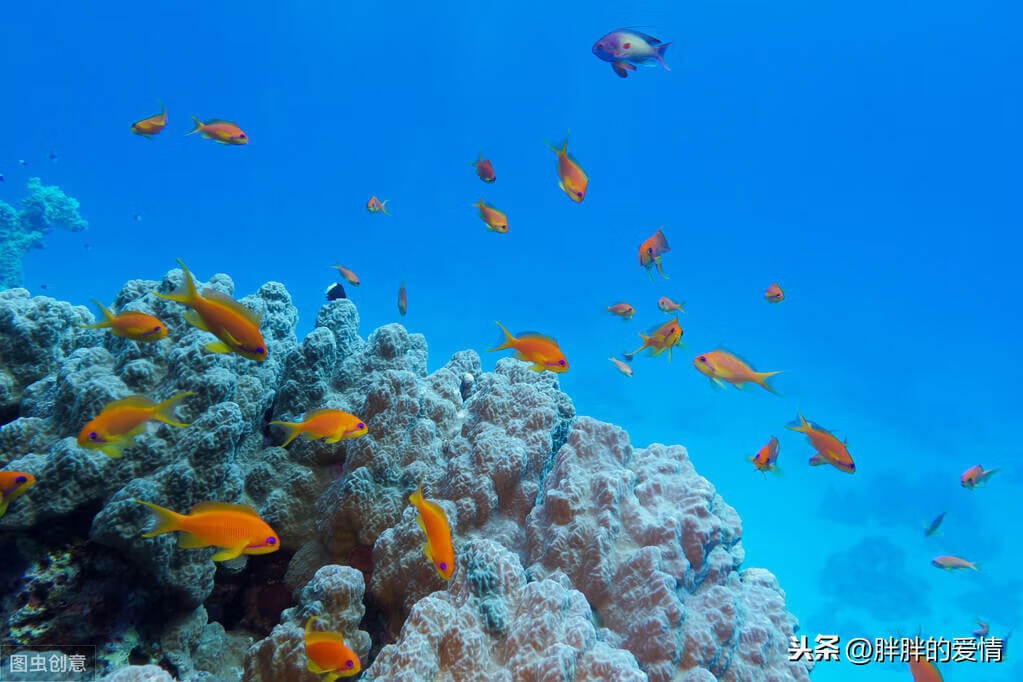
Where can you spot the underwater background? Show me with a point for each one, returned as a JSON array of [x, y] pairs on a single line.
[[865, 156]]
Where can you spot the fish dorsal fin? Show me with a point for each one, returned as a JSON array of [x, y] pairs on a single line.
[[213, 121], [537, 335], [234, 305], [659, 327], [130, 401], [320, 412], [206, 507], [315, 637]]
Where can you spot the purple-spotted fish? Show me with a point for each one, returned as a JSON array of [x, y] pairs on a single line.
[[627, 48]]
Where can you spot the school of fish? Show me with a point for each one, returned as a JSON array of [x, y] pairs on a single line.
[[236, 529]]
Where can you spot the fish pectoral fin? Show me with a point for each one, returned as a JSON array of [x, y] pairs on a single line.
[[217, 347], [115, 448], [192, 318], [429, 554], [333, 439], [229, 553], [620, 70], [189, 541], [313, 667], [231, 341]]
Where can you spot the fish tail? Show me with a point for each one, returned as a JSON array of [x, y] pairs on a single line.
[[383, 206], [163, 108], [198, 125], [659, 54], [761, 378], [645, 340], [564, 147], [509, 340], [293, 429], [186, 293], [164, 412], [416, 498], [166, 520], [108, 317]]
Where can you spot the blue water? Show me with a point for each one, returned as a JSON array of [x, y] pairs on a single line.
[[865, 155]]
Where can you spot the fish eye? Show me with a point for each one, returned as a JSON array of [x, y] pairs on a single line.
[[349, 663], [443, 566], [360, 425], [92, 435], [561, 362], [20, 479], [156, 328], [260, 349], [702, 359], [271, 541]]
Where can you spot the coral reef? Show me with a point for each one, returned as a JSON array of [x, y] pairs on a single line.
[[43, 209], [577, 556]]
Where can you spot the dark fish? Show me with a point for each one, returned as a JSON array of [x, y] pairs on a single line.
[[138, 217], [23, 162], [1, 177], [53, 156], [42, 286], [932, 528], [335, 291]]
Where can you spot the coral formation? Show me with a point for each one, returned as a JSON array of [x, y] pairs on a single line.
[[577, 555], [45, 208]]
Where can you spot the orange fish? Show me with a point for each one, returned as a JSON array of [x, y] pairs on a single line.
[[667, 305], [236, 326], [774, 294], [334, 425], [572, 179], [952, 563], [235, 528], [148, 127], [402, 300], [115, 427], [621, 366], [660, 339], [766, 458], [651, 251], [130, 325], [623, 310], [374, 205], [495, 220], [829, 449], [538, 349], [720, 366], [484, 169], [224, 132], [975, 476], [328, 653], [13, 484], [924, 671], [349, 276], [432, 520]]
